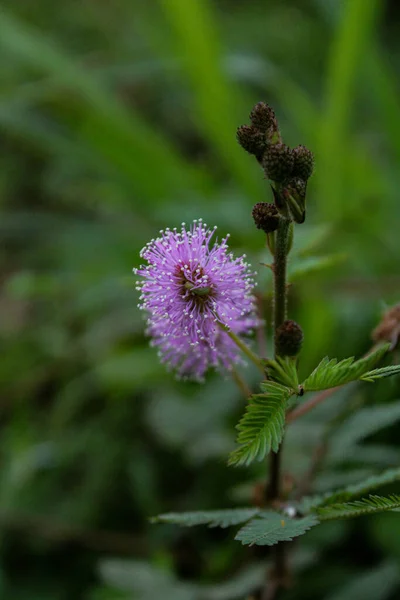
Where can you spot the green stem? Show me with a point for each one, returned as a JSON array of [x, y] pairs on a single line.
[[273, 490], [243, 347], [280, 307]]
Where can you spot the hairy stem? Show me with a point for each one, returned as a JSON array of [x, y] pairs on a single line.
[[273, 491], [280, 306]]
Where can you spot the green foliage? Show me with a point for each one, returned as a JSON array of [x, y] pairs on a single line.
[[283, 370], [357, 508], [313, 264], [350, 491], [375, 584], [376, 374], [144, 580], [261, 427], [147, 581], [213, 518], [363, 423], [271, 527], [330, 373], [117, 120]]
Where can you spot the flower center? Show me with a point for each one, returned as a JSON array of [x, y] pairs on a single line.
[[193, 282]]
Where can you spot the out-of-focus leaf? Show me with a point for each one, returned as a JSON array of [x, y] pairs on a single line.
[[357, 508], [351, 491], [314, 264], [212, 518], [141, 578], [270, 527], [376, 584], [363, 423]]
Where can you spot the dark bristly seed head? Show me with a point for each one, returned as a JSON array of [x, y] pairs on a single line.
[[252, 140], [266, 216], [263, 117], [278, 162], [303, 162], [288, 338]]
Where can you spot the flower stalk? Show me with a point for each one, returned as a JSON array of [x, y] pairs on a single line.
[[243, 347]]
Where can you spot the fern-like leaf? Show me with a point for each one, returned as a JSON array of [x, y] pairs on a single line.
[[330, 373], [366, 506], [350, 491], [271, 527], [376, 374], [212, 518], [261, 427]]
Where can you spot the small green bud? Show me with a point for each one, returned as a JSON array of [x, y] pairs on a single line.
[[303, 162], [294, 194], [252, 140], [266, 216], [263, 117], [278, 162], [288, 338]]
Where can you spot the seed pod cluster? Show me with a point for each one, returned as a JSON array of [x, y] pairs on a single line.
[[287, 168]]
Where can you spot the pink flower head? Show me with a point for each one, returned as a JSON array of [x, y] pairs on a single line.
[[189, 288]]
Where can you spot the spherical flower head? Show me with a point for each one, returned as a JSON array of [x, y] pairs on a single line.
[[190, 288]]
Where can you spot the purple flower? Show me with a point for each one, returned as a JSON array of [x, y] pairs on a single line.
[[191, 288]]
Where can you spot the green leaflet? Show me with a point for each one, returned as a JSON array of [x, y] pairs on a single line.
[[283, 370], [366, 506], [261, 427], [271, 527], [212, 518], [376, 374], [330, 373], [350, 491]]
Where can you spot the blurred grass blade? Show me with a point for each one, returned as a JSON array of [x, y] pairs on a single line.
[[384, 90], [215, 98], [120, 135], [353, 36]]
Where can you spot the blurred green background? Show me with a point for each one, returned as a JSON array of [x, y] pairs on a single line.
[[118, 119]]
